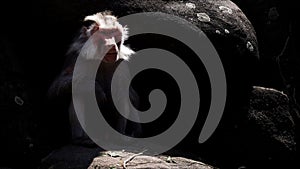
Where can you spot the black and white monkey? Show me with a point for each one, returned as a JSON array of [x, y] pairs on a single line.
[[104, 30]]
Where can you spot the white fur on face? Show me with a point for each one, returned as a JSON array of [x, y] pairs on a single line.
[[105, 23]]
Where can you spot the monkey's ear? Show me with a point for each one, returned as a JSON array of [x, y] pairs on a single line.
[[83, 31]]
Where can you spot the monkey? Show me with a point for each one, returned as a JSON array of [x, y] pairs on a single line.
[[109, 35]]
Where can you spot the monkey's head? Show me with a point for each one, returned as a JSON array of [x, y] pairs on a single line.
[[105, 37]]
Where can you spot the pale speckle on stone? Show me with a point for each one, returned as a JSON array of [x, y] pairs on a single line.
[[146, 161], [250, 46], [226, 31], [225, 9], [218, 32], [190, 5], [19, 101], [203, 17], [269, 89], [180, 6], [273, 14]]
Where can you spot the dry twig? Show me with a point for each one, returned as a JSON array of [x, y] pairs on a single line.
[[131, 158]]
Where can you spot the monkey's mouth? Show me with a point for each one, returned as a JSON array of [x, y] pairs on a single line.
[[111, 55]]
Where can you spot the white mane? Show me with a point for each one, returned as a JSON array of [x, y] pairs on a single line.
[[107, 21]]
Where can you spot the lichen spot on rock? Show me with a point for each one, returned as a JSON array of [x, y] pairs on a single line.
[[225, 9], [250, 46], [203, 17], [190, 5], [226, 31]]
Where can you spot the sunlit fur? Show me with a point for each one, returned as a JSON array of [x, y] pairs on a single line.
[[103, 20]]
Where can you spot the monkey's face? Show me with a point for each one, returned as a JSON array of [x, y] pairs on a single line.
[[105, 35]]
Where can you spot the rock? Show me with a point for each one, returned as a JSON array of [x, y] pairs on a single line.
[[270, 21], [76, 157], [277, 26], [264, 135], [270, 111], [271, 128], [236, 43], [17, 120], [69, 156], [144, 161]]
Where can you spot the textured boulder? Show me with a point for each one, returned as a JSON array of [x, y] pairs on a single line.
[[69, 156], [277, 26], [130, 160], [265, 137], [17, 121], [271, 112], [75, 157], [271, 128]]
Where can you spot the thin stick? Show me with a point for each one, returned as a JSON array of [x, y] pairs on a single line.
[[131, 158]]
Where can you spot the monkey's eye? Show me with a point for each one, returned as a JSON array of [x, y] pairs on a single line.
[[88, 23]]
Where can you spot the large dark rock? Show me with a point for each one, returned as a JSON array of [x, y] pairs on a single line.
[[17, 121], [229, 30], [277, 28], [266, 137], [20, 107], [271, 129], [271, 113], [277, 25], [70, 156]]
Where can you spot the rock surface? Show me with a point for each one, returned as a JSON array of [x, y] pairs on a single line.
[[276, 25], [76, 157], [107, 161], [270, 131], [264, 135], [271, 112]]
